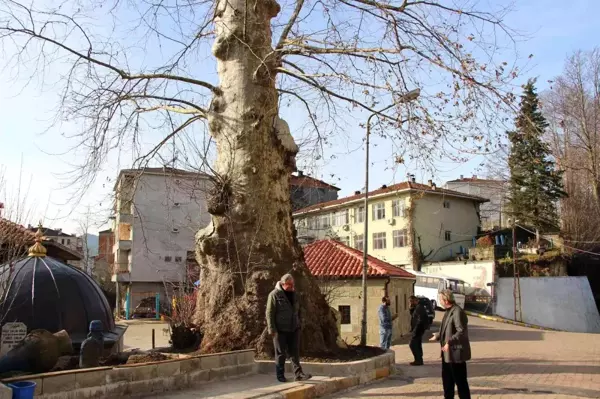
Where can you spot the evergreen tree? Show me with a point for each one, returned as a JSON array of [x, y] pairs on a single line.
[[535, 183]]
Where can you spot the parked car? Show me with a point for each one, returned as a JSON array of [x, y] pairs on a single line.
[[428, 307], [147, 309]]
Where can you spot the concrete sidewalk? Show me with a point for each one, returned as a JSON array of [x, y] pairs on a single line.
[[254, 386]]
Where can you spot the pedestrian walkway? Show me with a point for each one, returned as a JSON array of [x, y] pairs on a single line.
[[252, 387], [508, 362]]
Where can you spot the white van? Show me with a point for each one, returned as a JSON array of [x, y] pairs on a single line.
[[430, 286]]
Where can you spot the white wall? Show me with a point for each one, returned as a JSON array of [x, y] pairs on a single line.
[[432, 220], [561, 303], [155, 217], [476, 273]]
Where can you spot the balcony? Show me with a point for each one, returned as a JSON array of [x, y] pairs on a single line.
[[122, 238], [122, 245], [124, 217]]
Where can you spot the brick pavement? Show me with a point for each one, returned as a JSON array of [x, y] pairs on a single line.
[[508, 362]]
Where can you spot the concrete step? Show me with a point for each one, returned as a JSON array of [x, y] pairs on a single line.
[[261, 386]]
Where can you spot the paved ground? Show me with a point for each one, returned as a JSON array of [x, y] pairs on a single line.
[[139, 334], [508, 362], [254, 387]]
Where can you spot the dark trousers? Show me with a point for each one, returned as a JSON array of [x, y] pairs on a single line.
[[455, 374], [287, 344], [416, 346]]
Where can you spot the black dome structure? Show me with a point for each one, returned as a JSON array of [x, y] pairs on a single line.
[[44, 293]]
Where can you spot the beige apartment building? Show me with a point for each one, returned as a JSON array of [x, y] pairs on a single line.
[[405, 220]]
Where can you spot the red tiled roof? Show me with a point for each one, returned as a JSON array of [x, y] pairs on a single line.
[[307, 181], [329, 258], [13, 233], [408, 186]]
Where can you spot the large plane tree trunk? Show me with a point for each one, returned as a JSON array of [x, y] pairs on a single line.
[[251, 242]]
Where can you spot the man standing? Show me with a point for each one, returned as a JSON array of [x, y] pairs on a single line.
[[385, 323], [283, 323], [418, 324], [456, 349]]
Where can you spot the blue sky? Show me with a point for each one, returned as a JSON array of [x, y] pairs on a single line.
[[33, 152]]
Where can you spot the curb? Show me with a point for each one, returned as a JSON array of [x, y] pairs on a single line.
[[507, 321], [333, 385]]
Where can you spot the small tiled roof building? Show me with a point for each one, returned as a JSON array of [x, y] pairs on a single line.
[[338, 269]]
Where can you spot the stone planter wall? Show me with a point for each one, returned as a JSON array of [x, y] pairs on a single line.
[[140, 379], [387, 360]]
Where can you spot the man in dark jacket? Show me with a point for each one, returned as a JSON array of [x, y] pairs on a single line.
[[283, 323], [418, 324], [456, 349]]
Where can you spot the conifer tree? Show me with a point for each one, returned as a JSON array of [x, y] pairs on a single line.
[[535, 182]]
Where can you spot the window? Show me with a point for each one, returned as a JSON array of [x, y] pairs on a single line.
[[345, 314], [178, 259], [379, 241], [68, 241], [323, 221], [396, 303], [345, 240], [379, 211], [168, 258], [398, 208], [359, 214], [62, 241], [340, 218], [359, 242], [405, 302], [428, 282], [447, 204], [448, 235], [311, 223], [400, 238]]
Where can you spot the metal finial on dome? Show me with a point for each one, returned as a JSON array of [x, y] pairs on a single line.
[[37, 249]]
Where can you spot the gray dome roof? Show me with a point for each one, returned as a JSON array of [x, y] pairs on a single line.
[[46, 294]]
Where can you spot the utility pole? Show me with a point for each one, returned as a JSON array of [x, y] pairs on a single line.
[[516, 282], [410, 96]]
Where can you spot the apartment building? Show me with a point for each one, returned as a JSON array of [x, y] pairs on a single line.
[[58, 235], [493, 212], [71, 241], [104, 261], [306, 191], [157, 214], [404, 219]]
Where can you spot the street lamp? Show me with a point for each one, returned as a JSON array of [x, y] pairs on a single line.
[[408, 97]]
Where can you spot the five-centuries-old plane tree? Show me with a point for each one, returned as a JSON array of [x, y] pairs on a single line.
[[128, 68]]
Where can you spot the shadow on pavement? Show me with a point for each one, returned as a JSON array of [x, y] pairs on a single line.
[[479, 333]]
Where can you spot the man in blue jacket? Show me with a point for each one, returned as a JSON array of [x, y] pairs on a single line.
[[385, 323]]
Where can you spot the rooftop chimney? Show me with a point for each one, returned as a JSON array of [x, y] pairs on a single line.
[[384, 186], [357, 192], [430, 182], [433, 185], [475, 177], [300, 173], [461, 177], [413, 179]]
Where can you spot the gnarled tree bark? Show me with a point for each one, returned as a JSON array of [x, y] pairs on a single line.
[[250, 242]]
